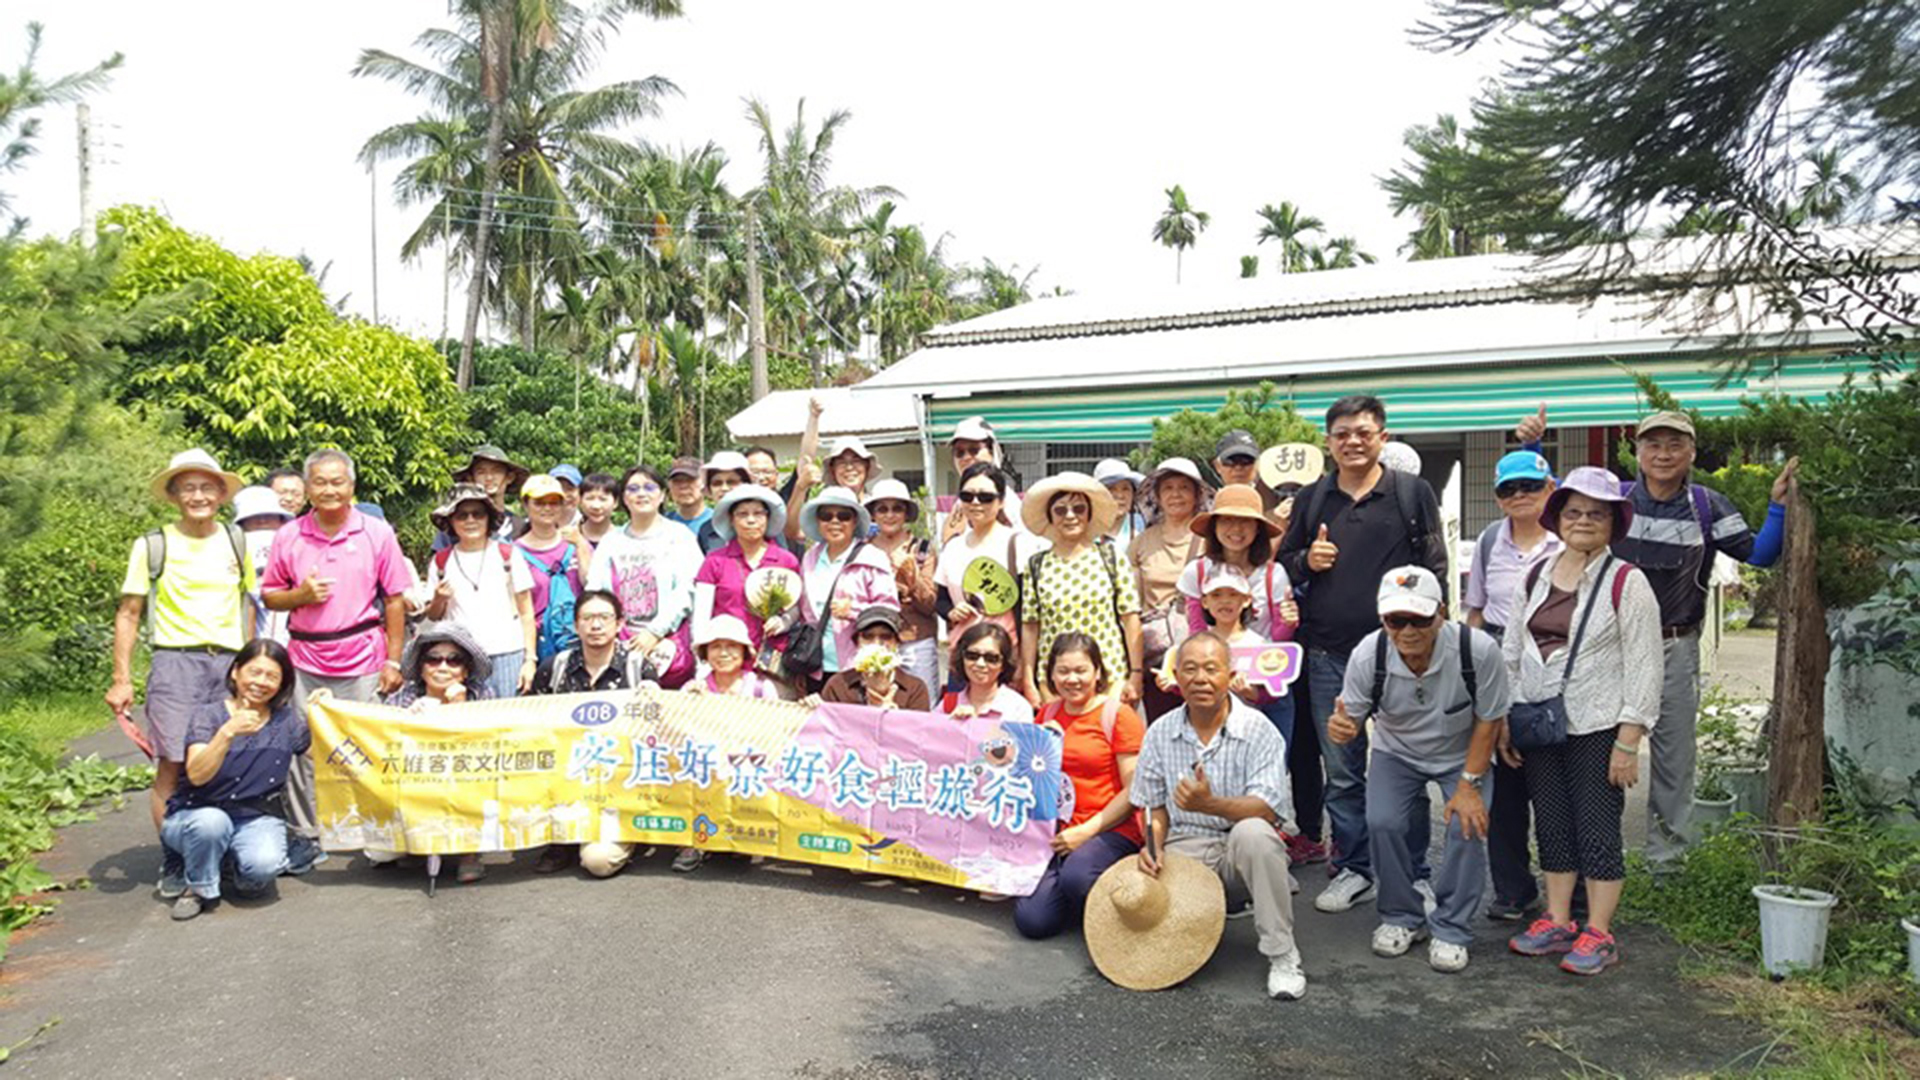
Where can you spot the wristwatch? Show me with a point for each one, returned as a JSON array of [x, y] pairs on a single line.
[[1473, 780]]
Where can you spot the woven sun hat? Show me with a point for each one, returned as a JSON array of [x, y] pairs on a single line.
[[1148, 933], [833, 496], [896, 491], [1037, 505], [1595, 483], [722, 628], [479, 664], [516, 473], [442, 516], [257, 501], [1291, 465], [776, 510], [1175, 466], [194, 460], [1234, 501]]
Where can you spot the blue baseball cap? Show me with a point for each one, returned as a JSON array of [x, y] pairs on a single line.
[[1521, 465], [569, 473]]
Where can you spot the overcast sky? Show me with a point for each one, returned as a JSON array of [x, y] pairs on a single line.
[[1041, 134]]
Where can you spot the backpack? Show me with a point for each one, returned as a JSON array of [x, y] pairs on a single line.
[[1109, 714], [1619, 582], [156, 542], [556, 621], [506, 559], [1404, 496], [1380, 671]]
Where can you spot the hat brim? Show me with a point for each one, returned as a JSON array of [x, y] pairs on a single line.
[[1556, 502], [479, 664], [1171, 951], [516, 473], [442, 516], [1409, 605], [1037, 504], [810, 519], [722, 518], [231, 482], [913, 508], [1202, 524]]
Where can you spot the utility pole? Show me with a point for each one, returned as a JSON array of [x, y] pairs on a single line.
[[373, 235], [83, 114], [756, 307]]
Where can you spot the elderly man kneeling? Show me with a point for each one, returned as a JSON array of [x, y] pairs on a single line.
[[1437, 698]]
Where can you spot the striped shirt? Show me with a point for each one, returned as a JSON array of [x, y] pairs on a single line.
[[1247, 757], [1665, 542]]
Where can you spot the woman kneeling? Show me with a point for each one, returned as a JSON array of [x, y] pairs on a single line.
[[229, 818]]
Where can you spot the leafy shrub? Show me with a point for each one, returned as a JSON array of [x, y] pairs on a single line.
[[1193, 434]]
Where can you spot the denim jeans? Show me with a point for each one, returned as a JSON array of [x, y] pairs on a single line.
[[1346, 790], [1061, 897], [1280, 712], [254, 851]]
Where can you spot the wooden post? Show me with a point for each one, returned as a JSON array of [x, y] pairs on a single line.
[[1802, 651]]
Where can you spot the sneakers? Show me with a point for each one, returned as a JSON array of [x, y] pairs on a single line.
[[1390, 940], [1445, 957], [1428, 902], [170, 886], [689, 860], [1285, 980], [1302, 851], [1592, 954], [1506, 911], [1240, 910], [1545, 938], [186, 906], [469, 869], [557, 857], [303, 854], [1347, 889]]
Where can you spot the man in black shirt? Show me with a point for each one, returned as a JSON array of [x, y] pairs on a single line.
[[1348, 529], [596, 662]]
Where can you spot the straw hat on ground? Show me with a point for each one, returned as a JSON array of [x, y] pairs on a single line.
[[1036, 508], [1234, 501], [1151, 933]]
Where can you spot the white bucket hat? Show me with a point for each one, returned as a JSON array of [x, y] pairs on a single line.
[[723, 628], [257, 501], [194, 460], [896, 491], [834, 496], [1113, 471]]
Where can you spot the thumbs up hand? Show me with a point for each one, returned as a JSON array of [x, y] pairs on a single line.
[[1530, 428], [1194, 793], [1322, 554], [1341, 728]]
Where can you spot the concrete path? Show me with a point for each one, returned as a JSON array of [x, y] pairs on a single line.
[[761, 971]]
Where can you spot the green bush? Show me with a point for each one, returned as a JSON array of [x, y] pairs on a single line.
[[1193, 434]]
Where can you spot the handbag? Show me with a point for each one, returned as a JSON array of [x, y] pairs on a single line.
[[1535, 725], [806, 643]]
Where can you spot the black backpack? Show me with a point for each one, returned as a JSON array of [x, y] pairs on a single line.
[[1466, 671]]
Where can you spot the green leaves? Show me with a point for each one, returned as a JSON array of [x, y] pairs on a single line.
[[1193, 434]]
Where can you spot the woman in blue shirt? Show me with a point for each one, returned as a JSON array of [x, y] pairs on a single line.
[[230, 815]]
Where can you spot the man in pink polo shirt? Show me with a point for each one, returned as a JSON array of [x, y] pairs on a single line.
[[343, 577]]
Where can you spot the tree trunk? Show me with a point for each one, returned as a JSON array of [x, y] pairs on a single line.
[[482, 235], [1802, 651]]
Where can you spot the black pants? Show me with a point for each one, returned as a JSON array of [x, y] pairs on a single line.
[[1577, 812], [1303, 769], [1510, 823]]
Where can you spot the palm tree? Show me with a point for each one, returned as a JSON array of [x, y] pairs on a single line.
[[1289, 225], [1828, 194], [1249, 266], [1180, 226], [26, 93], [515, 62]]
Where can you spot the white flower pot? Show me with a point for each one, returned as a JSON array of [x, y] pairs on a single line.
[[1711, 814], [1913, 946], [1793, 927]]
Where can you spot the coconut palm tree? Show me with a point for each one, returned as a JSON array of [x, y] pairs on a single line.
[[1180, 226], [1249, 266], [1289, 225], [25, 92]]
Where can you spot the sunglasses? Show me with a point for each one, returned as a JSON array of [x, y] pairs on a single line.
[[1519, 487], [643, 489], [978, 496], [442, 659], [468, 515], [1408, 622], [975, 656], [837, 516], [1076, 508], [1239, 459]]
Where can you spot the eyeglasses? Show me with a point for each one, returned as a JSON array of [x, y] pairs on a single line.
[[975, 656], [444, 659], [1408, 622], [1353, 435], [978, 496], [643, 489], [1519, 487], [890, 508], [1064, 508], [1571, 514], [837, 516], [594, 618], [468, 514]]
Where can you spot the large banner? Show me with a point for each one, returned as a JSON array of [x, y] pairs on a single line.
[[965, 803]]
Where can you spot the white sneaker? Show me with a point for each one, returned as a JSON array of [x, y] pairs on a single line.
[[1446, 957], [1427, 899], [1285, 980], [1390, 940], [1343, 892]]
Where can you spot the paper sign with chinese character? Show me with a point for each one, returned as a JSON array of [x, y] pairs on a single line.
[[970, 804], [1291, 464]]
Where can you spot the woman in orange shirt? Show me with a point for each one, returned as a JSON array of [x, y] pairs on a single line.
[[1100, 741]]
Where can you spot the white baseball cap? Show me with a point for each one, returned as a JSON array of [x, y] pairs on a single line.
[[1222, 576], [1409, 590]]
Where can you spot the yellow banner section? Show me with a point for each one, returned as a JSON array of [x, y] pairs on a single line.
[[908, 794]]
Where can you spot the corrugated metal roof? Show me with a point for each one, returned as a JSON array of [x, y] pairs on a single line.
[[845, 411]]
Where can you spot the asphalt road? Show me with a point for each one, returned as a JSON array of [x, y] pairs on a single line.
[[761, 971]]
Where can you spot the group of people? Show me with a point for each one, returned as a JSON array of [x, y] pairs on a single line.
[[1110, 607]]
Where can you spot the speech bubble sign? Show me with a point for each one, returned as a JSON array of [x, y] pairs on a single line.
[[1273, 666], [996, 587], [1291, 463]]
